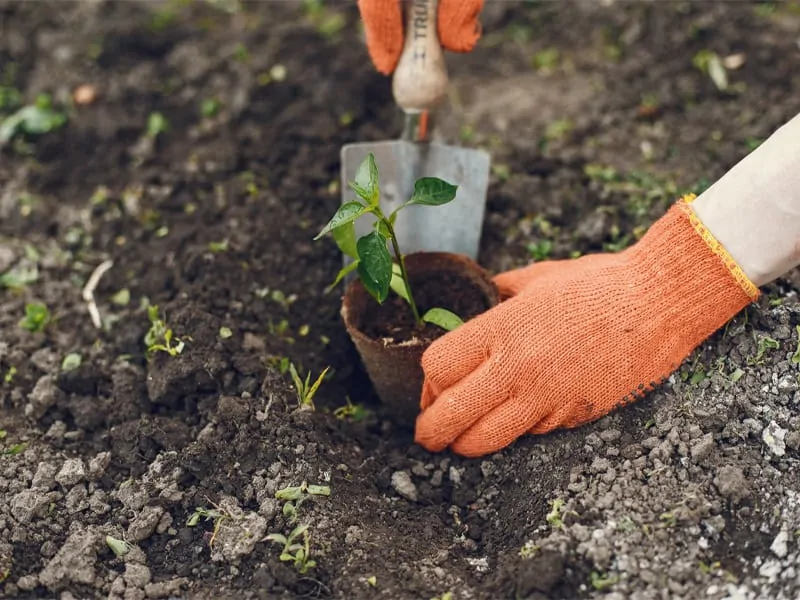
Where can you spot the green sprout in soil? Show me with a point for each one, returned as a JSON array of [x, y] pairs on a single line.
[[36, 319], [540, 250], [796, 355], [764, 343], [350, 411], [32, 120], [210, 107], [304, 389], [554, 517], [297, 552], [71, 362], [529, 550], [156, 124], [376, 269], [294, 496], [214, 514], [281, 363], [602, 582], [12, 450], [20, 276], [711, 64], [118, 547], [159, 338], [9, 376]]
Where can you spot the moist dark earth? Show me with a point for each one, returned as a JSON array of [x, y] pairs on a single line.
[[198, 151]]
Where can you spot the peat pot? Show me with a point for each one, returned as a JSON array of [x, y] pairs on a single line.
[[386, 337]]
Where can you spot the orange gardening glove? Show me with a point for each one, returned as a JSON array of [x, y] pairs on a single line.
[[458, 28], [578, 338]]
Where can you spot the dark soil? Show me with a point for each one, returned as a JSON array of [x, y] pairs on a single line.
[[597, 118], [394, 318]]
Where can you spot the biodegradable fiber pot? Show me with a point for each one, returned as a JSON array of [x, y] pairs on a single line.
[[385, 335]]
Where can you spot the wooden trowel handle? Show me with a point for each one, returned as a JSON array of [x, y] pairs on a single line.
[[420, 79]]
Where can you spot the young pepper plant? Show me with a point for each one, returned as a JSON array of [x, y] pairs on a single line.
[[371, 258]]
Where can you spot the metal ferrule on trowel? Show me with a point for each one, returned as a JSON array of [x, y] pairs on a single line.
[[420, 85]]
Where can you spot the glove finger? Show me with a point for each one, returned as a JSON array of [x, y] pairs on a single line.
[[502, 426], [459, 27], [458, 407], [453, 357], [383, 25]]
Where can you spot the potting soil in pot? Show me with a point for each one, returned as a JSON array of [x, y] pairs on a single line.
[[394, 319]]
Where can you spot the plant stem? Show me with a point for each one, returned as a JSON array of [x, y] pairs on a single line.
[[403, 273]]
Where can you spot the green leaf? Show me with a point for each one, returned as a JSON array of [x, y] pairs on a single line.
[[31, 120], [289, 493], [345, 236], [796, 355], [432, 191], [319, 490], [366, 183], [71, 362], [347, 213], [397, 284], [118, 547], [443, 318], [342, 274], [277, 537], [298, 531], [383, 229], [375, 265]]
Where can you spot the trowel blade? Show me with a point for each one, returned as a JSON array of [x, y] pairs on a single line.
[[454, 227]]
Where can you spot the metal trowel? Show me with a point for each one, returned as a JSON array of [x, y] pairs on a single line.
[[419, 86]]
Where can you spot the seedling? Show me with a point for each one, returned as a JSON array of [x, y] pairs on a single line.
[[215, 515], [296, 495], [375, 267], [37, 317], [32, 120], [306, 390], [118, 547], [159, 338], [554, 517], [156, 124], [601, 581], [297, 552], [764, 343], [796, 355], [354, 412], [529, 550]]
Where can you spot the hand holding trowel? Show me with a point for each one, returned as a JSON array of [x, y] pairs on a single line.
[[419, 86]]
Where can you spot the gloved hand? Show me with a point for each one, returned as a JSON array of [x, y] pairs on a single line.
[[458, 28], [577, 338]]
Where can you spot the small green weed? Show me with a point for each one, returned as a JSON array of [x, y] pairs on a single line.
[[294, 496], [215, 514], [602, 582], [350, 411], [304, 389], [159, 338], [294, 551], [37, 317], [156, 124], [554, 517], [764, 343], [32, 120], [540, 250]]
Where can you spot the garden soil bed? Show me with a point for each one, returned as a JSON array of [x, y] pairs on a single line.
[[597, 119]]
